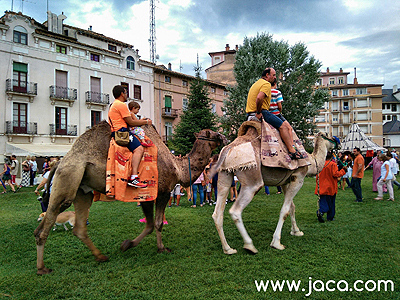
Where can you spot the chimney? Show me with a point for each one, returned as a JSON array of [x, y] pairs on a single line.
[[90, 28], [341, 70], [236, 47], [227, 47], [169, 66], [355, 76], [327, 70], [137, 51], [395, 88], [60, 20]]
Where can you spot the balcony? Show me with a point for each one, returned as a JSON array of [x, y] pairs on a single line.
[[70, 130], [168, 112], [61, 93], [15, 128], [20, 88], [95, 98]]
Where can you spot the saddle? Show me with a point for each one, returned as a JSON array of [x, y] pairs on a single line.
[[274, 152]]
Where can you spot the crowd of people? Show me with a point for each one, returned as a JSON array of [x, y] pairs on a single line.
[[337, 172]]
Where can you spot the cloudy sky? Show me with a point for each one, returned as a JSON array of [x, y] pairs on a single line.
[[340, 33]]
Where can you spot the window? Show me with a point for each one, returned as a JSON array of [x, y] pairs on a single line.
[[319, 81], [130, 63], [95, 89], [112, 48], [346, 105], [137, 92], [20, 74], [20, 35], [20, 118], [212, 90], [362, 116], [61, 120], [168, 131], [126, 86], [361, 91], [331, 80], [94, 57], [184, 104], [95, 117], [362, 103], [340, 80], [184, 83], [213, 108], [168, 104], [61, 49], [345, 92], [168, 79], [61, 84], [225, 93], [334, 93], [217, 60], [394, 107], [335, 105], [335, 118]]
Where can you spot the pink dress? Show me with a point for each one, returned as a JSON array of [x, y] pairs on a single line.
[[376, 173]]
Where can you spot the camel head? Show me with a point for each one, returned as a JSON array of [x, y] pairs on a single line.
[[334, 142], [214, 137]]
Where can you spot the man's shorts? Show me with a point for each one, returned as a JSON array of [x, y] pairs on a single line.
[[269, 118], [133, 140]]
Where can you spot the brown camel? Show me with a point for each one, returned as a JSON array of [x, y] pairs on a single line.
[[253, 179], [84, 169]]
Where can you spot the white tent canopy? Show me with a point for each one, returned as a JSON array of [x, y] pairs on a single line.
[[37, 149], [357, 138]]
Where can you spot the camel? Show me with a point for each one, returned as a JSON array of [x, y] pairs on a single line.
[[83, 169], [253, 179]]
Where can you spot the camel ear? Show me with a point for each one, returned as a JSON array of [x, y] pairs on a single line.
[[208, 133], [196, 134]]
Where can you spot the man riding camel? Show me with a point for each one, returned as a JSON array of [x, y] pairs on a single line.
[[258, 102], [120, 117]]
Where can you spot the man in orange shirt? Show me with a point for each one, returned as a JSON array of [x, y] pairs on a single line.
[[327, 187], [120, 117], [358, 174]]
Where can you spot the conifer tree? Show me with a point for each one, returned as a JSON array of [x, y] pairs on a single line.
[[197, 116]]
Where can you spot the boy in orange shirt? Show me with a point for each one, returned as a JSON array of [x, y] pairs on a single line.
[[358, 174], [327, 188]]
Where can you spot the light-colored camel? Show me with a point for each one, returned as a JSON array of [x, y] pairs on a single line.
[[253, 179], [84, 166]]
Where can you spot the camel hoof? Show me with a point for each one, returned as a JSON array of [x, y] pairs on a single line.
[[164, 250], [297, 233], [278, 246], [44, 271], [250, 249], [230, 251], [102, 258], [127, 244]]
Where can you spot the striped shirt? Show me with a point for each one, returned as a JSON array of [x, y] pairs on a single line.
[[276, 97]]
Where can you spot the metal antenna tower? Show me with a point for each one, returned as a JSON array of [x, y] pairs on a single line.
[[152, 39]]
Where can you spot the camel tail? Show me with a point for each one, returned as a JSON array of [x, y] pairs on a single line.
[[217, 167]]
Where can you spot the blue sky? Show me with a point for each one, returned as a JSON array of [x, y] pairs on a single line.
[[340, 33]]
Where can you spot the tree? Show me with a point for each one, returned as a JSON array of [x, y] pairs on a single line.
[[196, 117], [297, 72]]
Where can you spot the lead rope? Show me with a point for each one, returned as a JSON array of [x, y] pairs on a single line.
[[190, 180]]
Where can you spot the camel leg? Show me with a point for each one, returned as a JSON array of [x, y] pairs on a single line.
[[148, 209], [82, 204], [161, 203], [60, 196], [290, 190], [247, 192], [295, 230], [224, 185]]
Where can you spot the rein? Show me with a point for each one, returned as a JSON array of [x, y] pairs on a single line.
[[207, 139]]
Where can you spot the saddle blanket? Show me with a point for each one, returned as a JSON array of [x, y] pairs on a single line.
[[119, 169], [274, 152]]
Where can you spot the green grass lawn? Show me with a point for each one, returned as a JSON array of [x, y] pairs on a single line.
[[361, 244]]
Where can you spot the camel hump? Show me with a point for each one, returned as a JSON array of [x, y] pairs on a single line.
[[246, 125]]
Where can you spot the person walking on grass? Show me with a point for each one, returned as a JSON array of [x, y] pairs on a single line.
[[7, 175], [386, 178], [358, 174], [327, 188]]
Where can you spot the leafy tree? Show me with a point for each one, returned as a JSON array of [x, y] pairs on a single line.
[[196, 117], [297, 72]]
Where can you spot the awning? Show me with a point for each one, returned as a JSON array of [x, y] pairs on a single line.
[[37, 149]]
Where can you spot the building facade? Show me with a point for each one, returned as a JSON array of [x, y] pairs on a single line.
[[56, 82], [222, 63], [390, 104], [171, 90], [351, 103]]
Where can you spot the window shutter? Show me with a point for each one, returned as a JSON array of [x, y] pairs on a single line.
[[18, 67], [168, 102]]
